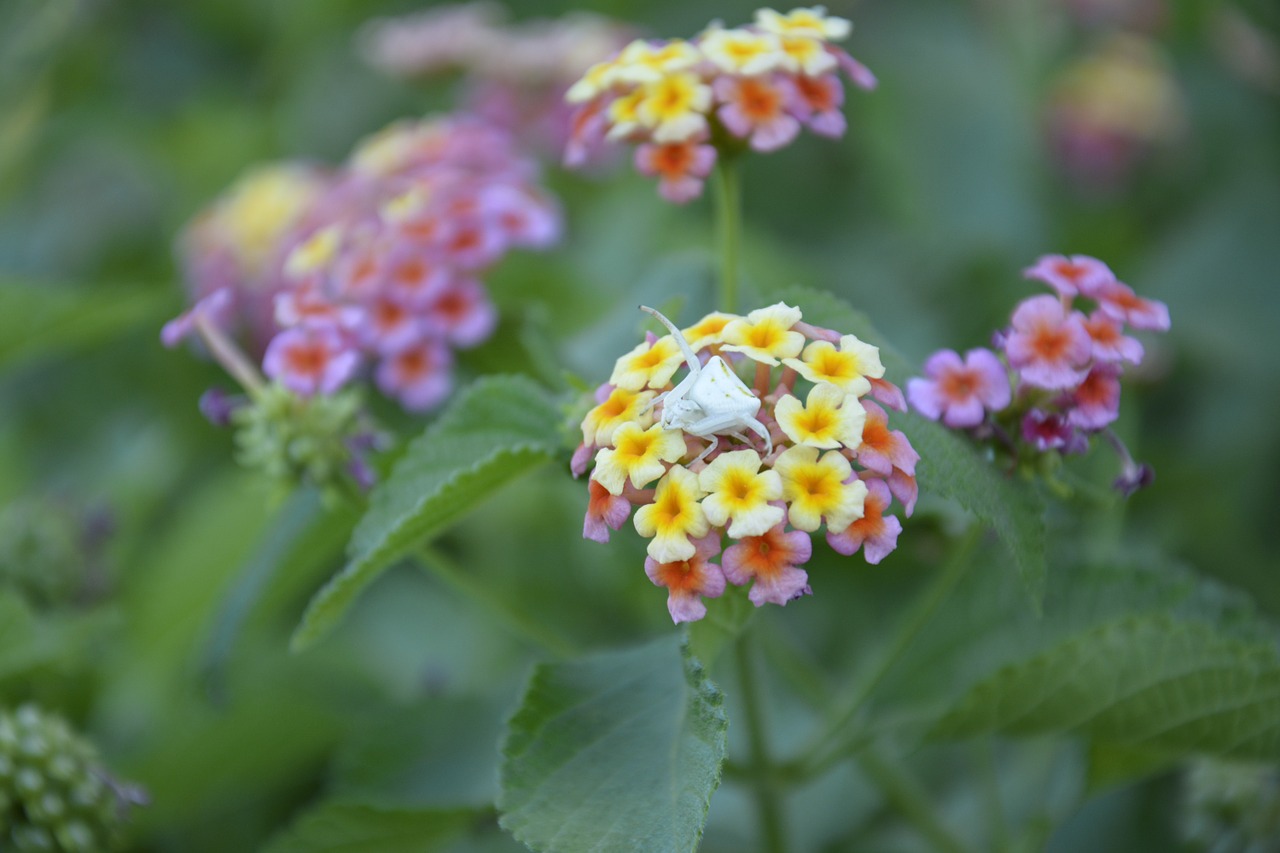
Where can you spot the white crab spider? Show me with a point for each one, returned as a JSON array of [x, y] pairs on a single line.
[[711, 401]]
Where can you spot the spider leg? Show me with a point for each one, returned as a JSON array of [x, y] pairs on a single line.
[[758, 428], [715, 442], [695, 366]]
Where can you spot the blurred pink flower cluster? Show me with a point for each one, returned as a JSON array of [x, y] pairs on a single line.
[[1059, 379], [684, 103], [514, 75], [375, 263]]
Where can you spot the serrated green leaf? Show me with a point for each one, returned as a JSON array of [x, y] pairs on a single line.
[[39, 319], [337, 827], [1150, 680], [1131, 655], [494, 431], [949, 466], [619, 751]]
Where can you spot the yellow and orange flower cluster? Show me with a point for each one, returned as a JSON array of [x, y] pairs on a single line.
[[682, 100], [829, 458]]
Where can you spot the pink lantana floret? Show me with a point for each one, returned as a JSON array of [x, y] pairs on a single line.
[[772, 561], [419, 375], [817, 103], [1048, 345], [1119, 301], [1051, 431], [605, 512], [758, 109], [689, 581], [310, 361], [875, 533], [681, 167], [960, 392], [1069, 276], [1096, 402], [1110, 343]]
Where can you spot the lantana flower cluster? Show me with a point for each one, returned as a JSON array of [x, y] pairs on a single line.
[[687, 102], [377, 263], [741, 505], [1053, 379]]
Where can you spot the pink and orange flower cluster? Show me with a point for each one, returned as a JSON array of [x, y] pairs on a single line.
[[685, 103], [1059, 379], [376, 263], [830, 460]]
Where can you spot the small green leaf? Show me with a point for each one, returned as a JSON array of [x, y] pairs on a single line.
[[619, 751], [494, 431], [949, 465], [337, 827]]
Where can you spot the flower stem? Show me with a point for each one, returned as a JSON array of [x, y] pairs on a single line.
[[821, 752], [729, 225], [232, 359], [768, 803]]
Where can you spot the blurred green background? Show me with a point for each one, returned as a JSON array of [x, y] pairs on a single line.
[[119, 120]]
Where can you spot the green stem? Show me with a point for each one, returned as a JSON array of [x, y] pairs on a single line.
[[768, 804], [476, 589], [821, 753], [905, 793], [729, 225]]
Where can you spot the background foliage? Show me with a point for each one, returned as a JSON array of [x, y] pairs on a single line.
[[119, 120]]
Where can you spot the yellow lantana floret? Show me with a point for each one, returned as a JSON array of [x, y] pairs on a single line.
[[708, 331], [813, 22], [621, 407], [829, 418], [674, 516], [674, 107], [624, 118], [765, 334], [594, 82], [739, 491], [261, 206], [742, 51], [637, 455], [816, 489], [315, 253], [646, 365], [641, 62], [848, 367], [807, 55]]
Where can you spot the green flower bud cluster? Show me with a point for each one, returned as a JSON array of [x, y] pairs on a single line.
[[1232, 807], [54, 793], [41, 553], [297, 439]]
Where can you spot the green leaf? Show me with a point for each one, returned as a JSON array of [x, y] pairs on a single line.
[[949, 466], [494, 431], [619, 751], [337, 827], [36, 320], [1151, 680], [1133, 655]]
